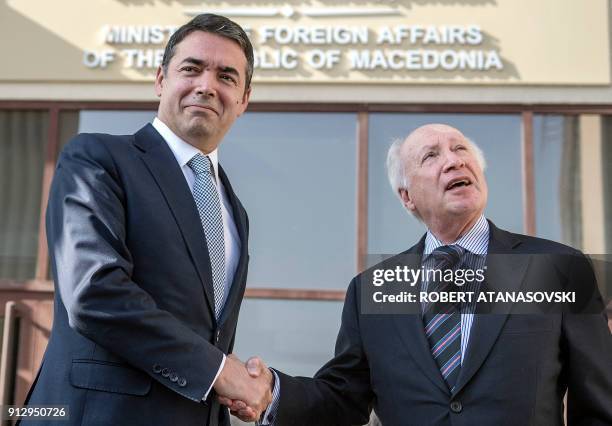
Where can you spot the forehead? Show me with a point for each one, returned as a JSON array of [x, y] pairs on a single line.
[[431, 138], [211, 48]]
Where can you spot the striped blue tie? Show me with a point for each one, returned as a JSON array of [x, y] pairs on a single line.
[[209, 207], [443, 320]]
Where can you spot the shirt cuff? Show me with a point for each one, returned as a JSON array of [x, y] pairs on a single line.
[[267, 419], [215, 379]]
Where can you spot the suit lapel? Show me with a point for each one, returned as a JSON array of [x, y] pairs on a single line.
[[505, 272], [160, 161], [240, 219], [411, 330]]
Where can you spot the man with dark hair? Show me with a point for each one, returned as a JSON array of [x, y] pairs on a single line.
[[149, 253], [213, 24]]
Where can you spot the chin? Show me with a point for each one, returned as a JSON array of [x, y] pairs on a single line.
[[198, 131], [463, 209]]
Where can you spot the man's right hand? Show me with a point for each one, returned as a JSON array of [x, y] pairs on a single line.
[[253, 391]]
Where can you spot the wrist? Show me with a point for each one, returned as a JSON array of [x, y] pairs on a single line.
[[222, 379]]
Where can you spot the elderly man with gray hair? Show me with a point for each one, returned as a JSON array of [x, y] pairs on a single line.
[[459, 363]]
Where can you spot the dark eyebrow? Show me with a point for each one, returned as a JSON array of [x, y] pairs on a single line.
[[201, 63], [193, 61]]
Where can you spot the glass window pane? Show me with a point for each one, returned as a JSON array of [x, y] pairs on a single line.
[[299, 344], [572, 174], [295, 174], [556, 150], [391, 228], [23, 135]]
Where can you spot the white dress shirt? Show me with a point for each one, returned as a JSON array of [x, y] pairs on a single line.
[[183, 152]]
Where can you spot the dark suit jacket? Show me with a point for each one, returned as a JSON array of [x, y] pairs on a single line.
[[134, 338], [515, 372]]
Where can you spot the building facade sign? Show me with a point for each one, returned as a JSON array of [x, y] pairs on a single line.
[[463, 42]]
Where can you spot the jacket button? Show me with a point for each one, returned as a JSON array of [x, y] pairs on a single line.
[[217, 336], [173, 377], [456, 406], [165, 372], [157, 368], [182, 382]]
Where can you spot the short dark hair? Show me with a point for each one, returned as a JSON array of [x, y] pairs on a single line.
[[214, 24]]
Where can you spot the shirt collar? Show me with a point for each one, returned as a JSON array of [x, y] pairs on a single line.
[[183, 151], [476, 240]]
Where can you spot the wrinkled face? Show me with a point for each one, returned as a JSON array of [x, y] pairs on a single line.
[[445, 179], [203, 89]]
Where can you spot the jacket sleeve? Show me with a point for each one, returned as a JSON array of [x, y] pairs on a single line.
[[340, 392], [86, 233], [587, 345]]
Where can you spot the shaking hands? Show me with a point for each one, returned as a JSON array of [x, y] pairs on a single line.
[[245, 388]]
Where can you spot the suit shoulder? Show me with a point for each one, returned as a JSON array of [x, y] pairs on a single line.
[[96, 145], [89, 153], [531, 244]]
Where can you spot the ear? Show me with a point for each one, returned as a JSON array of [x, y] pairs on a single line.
[[159, 81], [406, 200], [244, 102]]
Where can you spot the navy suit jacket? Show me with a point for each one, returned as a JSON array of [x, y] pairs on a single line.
[[134, 339], [516, 370]]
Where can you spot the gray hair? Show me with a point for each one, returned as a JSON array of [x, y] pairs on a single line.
[[396, 170]]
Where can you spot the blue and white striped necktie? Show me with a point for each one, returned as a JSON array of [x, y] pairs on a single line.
[[209, 207], [443, 321]]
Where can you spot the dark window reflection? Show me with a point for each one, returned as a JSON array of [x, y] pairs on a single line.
[[23, 135]]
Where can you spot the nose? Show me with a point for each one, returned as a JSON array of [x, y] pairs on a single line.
[[453, 161], [206, 84]]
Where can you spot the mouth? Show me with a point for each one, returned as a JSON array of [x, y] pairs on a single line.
[[459, 183], [203, 108]]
